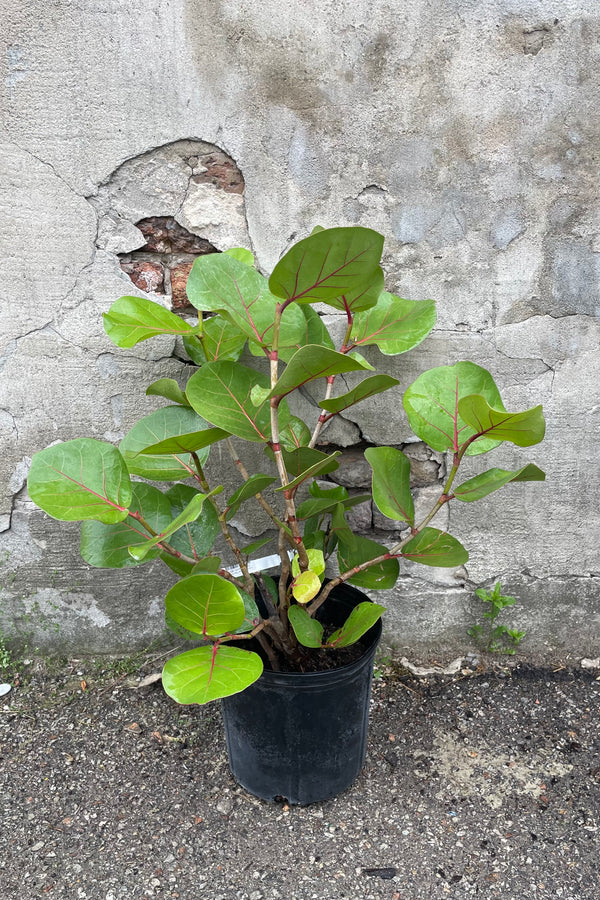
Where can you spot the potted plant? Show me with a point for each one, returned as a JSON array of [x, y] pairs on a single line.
[[291, 657]]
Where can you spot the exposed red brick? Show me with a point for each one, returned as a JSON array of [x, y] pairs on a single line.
[[222, 172], [147, 276], [179, 277], [164, 235]]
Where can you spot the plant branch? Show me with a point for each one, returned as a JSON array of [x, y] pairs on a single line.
[[325, 416], [231, 578], [283, 580], [396, 550], [290, 508], [350, 573], [264, 503], [163, 544]]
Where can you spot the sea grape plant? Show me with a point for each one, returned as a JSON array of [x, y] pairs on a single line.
[[127, 520]]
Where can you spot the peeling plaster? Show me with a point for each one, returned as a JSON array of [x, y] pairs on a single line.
[[52, 603]]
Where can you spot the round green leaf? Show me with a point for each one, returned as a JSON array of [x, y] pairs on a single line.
[[221, 339], [484, 484], [306, 586], [169, 389], [106, 546], [209, 673], [315, 333], [192, 512], [166, 423], [523, 428], [220, 283], [394, 325], [196, 538], [206, 604], [432, 406], [327, 264], [79, 480], [294, 433], [245, 256], [432, 547], [363, 296], [134, 319], [312, 362], [362, 617], [316, 562], [308, 631], [221, 392], [381, 576]]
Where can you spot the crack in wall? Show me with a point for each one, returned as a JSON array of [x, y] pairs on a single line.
[[17, 485], [50, 166]]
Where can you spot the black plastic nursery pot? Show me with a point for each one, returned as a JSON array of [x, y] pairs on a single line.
[[302, 736]]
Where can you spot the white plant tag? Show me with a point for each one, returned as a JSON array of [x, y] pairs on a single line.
[[258, 565]]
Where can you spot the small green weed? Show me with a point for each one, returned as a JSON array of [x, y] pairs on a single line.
[[381, 665], [5, 655], [496, 638]]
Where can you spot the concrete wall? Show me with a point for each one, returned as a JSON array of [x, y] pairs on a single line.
[[465, 130]]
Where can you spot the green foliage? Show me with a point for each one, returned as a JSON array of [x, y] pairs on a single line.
[[228, 402], [206, 605], [391, 483], [367, 388], [328, 266], [81, 479], [209, 673], [219, 340], [166, 424], [495, 638], [219, 283], [309, 363], [220, 392], [432, 547], [379, 576], [362, 617], [167, 388], [6, 659], [107, 545], [432, 404], [255, 484], [134, 319], [308, 631], [481, 485], [394, 325]]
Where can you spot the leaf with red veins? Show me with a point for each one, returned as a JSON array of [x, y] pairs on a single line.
[[311, 362], [220, 392], [394, 325], [219, 283], [327, 265]]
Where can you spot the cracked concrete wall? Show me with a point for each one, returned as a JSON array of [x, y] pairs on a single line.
[[465, 132]]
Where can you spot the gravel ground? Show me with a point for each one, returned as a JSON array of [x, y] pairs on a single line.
[[482, 785]]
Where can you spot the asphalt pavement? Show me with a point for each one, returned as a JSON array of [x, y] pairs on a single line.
[[482, 784]]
